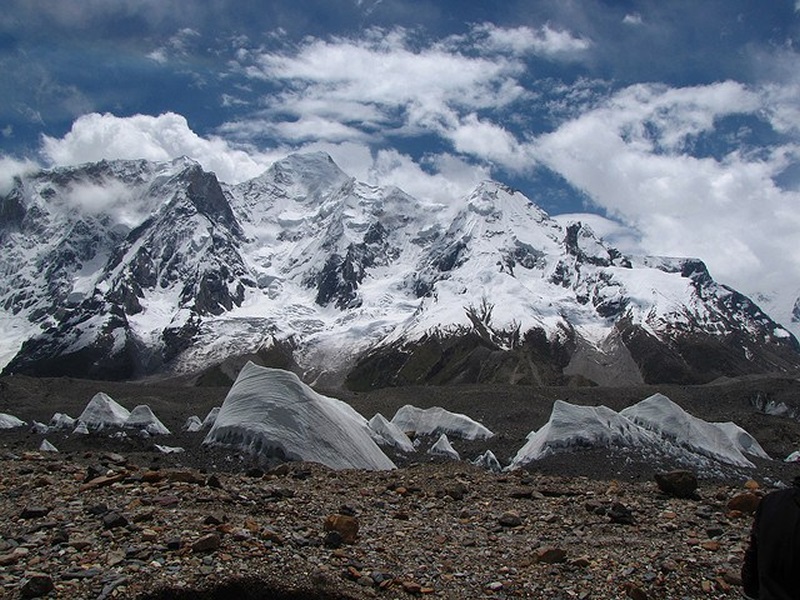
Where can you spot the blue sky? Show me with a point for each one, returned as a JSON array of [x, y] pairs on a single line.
[[679, 120]]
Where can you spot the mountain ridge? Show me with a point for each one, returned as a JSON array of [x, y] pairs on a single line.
[[159, 268]]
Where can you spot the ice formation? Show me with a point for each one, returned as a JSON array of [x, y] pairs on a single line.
[[61, 421], [656, 423], [443, 447], [102, 412], [10, 421], [387, 433], [46, 446], [271, 412], [208, 422], [488, 461], [143, 419], [193, 424], [727, 442], [438, 420]]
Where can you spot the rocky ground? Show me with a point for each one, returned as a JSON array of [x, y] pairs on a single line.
[[99, 525], [115, 518]]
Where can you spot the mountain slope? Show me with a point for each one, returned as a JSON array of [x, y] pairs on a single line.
[[124, 269]]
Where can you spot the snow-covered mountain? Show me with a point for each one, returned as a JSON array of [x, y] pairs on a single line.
[[129, 268]]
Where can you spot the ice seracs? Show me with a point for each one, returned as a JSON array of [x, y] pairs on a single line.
[[443, 447], [103, 412], [61, 421], [654, 426], [488, 461], [572, 426], [429, 421], [10, 421], [143, 419], [271, 412], [727, 442], [193, 424], [387, 433]]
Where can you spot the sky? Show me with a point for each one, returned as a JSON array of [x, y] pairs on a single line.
[[673, 128]]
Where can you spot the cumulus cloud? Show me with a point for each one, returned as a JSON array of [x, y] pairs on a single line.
[[631, 157], [387, 83], [96, 136]]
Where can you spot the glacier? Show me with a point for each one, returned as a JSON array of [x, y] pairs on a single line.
[[271, 412], [429, 421], [655, 426]]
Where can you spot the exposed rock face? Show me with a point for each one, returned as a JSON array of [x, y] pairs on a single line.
[[128, 268]]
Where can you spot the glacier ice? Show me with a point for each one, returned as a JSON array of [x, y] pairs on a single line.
[[143, 419], [443, 447], [428, 421], [10, 421], [103, 411], [387, 433], [271, 412], [655, 424]]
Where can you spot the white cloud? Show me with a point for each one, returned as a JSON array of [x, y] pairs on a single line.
[[10, 168], [385, 85], [96, 136], [544, 41], [630, 156], [632, 19]]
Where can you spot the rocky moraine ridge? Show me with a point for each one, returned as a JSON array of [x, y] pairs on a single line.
[[97, 524]]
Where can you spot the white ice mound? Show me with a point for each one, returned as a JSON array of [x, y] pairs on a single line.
[[10, 421], [387, 433], [193, 424], [208, 422], [438, 420], [61, 421], [143, 419], [102, 411], [572, 426], [271, 411], [726, 443], [46, 446], [443, 447], [488, 461]]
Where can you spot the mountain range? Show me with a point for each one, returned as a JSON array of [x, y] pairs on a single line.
[[129, 269]]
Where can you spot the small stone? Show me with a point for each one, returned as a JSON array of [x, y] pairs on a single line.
[[678, 483], [411, 587], [746, 503], [619, 513], [207, 543], [36, 585], [495, 586], [711, 545], [113, 520], [34, 512], [634, 592], [510, 518], [345, 525], [550, 555], [751, 485]]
